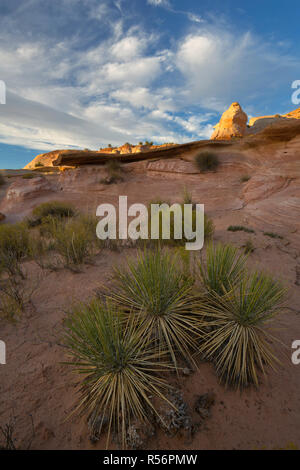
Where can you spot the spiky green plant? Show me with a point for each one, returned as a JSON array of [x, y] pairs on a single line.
[[238, 340], [160, 293], [223, 268], [119, 367]]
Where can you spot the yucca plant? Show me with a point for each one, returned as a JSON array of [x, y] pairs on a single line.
[[160, 293], [223, 268], [238, 340], [119, 367]]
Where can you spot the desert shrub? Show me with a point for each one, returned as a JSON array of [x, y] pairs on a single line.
[[239, 341], [240, 228], [248, 247], [55, 209], [119, 365], [39, 164], [245, 178], [157, 291], [2, 180], [29, 176], [14, 247], [223, 268], [73, 240], [207, 161], [208, 227]]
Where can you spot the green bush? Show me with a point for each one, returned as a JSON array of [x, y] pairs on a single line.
[[208, 227], [119, 366], [39, 164], [29, 176], [245, 178], [207, 161], [56, 209], [273, 235]]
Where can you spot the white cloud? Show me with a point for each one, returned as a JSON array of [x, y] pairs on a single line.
[[219, 67]]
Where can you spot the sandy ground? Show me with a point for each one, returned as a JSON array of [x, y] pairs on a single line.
[[36, 388]]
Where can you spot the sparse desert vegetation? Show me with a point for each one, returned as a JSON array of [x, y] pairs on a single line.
[[116, 354], [239, 340], [171, 329], [159, 315], [114, 172], [273, 235]]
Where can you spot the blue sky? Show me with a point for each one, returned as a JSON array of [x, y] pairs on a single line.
[[86, 73]]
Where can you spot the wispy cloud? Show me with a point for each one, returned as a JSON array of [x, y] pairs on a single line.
[[72, 83]]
